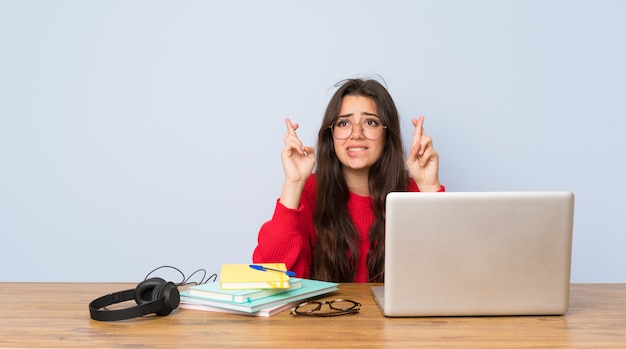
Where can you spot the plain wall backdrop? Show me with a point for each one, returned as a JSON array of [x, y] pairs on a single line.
[[135, 134]]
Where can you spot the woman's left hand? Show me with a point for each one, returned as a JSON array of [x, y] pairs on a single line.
[[423, 160]]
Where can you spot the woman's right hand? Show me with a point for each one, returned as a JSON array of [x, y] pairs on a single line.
[[298, 162]]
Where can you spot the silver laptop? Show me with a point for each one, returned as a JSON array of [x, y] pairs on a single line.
[[477, 254]]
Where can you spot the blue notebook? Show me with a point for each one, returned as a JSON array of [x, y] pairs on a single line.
[[214, 291], [310, 288], [267, 312]]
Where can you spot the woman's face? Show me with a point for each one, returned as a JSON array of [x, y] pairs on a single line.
[[358, 152]]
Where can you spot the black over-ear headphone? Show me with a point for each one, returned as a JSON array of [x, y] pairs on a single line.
[[153, 295]]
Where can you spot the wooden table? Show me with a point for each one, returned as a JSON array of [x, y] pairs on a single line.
[[56, 315]]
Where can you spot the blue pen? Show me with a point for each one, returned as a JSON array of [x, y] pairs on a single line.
[[262, 268]]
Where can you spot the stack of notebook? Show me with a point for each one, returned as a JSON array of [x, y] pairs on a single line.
[[258, 290]]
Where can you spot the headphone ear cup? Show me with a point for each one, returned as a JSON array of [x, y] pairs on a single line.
[[171, 296], [145, 291]]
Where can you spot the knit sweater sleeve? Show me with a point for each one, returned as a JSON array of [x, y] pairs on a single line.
[[413, 187], [288, 236]]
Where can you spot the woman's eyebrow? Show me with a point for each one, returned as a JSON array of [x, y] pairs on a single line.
[[351, 114]]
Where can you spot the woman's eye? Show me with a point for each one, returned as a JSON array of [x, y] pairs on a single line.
[[371, 122], [342, 123]]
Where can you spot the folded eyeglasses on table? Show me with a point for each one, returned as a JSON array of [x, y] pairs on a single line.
[[336, 307]]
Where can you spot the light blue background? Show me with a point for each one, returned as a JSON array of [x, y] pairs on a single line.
[[135, 134]]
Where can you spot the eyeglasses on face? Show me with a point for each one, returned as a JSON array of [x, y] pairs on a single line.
[[336, 307], [371, 128]]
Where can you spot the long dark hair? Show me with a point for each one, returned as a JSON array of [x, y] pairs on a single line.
[[336, 251]]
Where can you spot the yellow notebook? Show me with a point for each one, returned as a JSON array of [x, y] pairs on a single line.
[[241, 277]]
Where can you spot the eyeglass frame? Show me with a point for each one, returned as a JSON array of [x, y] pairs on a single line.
[[354, 309], [334, 123]]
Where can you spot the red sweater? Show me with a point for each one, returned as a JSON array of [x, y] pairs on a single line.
[[289, 236]]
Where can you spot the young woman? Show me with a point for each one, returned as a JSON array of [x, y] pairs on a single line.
[[330, 225]]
